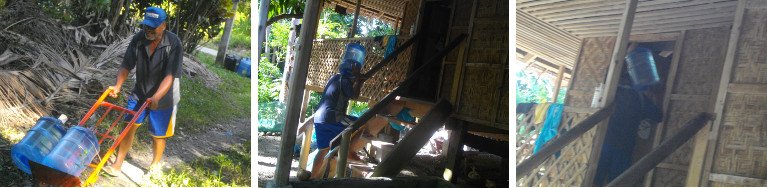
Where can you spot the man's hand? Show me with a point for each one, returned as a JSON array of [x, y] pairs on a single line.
[[357, 75], [115, 91], [153, 102]]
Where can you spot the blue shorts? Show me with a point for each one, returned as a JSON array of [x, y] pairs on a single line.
[[162, 122], [325, 132]]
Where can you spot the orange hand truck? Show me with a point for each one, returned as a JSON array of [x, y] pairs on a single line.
[[56, 177]]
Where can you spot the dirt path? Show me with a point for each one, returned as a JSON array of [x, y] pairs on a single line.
[[182, 147], [268, 149]]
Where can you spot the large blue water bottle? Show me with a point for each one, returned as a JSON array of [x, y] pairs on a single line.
[[38, 142], [641, 68], [244, 67], [354, 54], [74, 152]]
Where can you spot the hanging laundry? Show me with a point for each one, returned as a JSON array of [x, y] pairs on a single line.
[[540, 112], [549, 130]]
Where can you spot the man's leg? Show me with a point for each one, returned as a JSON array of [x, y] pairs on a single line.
[[124, 146], [163, 124], [158, 147], [318, 162]]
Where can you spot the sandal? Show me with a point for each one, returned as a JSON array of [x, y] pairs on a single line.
[[109, 171]]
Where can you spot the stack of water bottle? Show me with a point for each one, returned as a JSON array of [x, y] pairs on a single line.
[[241, 65], [49, 144]]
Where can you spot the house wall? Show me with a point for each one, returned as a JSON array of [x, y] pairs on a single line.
[[694, 87], [741, 149], [693, 90], [590, 70], [481, 96]]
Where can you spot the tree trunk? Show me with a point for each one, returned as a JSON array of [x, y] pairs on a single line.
[[289, 58], [222, 47], [262, 16]]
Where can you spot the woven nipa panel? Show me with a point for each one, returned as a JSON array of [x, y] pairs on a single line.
[[742, 146], [327, 54], [568, 166], [592, 65]]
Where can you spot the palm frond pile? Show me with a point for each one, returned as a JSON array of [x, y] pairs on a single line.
[[46, 66]]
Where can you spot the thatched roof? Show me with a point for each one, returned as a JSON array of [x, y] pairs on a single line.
[[548, 28]]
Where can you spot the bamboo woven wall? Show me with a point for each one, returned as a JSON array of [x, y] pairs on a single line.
[[742, 146], [590, 70], [569, 167], [409, 18], [697, 76], [326, 55], [486, 65]]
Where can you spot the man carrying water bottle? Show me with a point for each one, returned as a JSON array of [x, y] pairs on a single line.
[[330, 118], [156, 55]]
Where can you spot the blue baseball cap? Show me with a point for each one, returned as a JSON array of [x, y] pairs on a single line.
[[153, 17]]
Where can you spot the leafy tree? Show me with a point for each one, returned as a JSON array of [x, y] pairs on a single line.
[[268, 82], [531, 88], [192, 20]]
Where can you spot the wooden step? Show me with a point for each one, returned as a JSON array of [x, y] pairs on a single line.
[[418, 107], [415, 101], [361, 169], [396, 120], [382, 149], [406, 149]]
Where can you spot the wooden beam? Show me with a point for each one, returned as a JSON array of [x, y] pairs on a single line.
[[614, 9], [754, 89], [560, 7], [701, 19], [729, 62], [354, 22], [454, 147], [656, 14], [528, 165], [653, 27], [414, 140], [297, 83], [667, 97], [613, 75], [657, 155], [655, 37], [663, 18], [738, 180], [558, 83], [663, 30]]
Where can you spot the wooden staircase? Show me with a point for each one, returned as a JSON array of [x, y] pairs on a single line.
[[390, 165], [433, 116]]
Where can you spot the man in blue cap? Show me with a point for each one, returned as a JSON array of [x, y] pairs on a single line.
[[157, 57]]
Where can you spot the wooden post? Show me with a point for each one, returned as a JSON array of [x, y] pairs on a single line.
[[354, 22], [613, 75], [729, 62], [262, 16], [224, 44], [305, 146], [307, 134], [297, 84], [454, 148], [558, 83], [343, 152]]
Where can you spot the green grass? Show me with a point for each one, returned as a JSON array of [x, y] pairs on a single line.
[[202, 107], [230, 169], [10, 175]]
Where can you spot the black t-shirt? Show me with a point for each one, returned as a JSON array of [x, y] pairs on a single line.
[[150, 71]]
